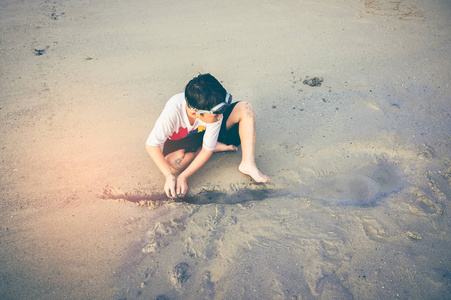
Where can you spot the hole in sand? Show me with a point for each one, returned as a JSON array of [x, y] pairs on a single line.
[[363, 187]]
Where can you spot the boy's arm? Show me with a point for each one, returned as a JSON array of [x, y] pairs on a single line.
[[165, 168], [203, 156]]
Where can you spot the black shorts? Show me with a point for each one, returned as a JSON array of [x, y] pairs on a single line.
[[193, 142]]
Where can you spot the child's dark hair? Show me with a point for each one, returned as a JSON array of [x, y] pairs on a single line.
[[204, 92]]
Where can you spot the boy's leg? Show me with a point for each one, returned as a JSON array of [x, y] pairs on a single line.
[[179, 160], [221, 147], [243, 114]]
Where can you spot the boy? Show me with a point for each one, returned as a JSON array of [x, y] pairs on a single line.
[[197, 123]]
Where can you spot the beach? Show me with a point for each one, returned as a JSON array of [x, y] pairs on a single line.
[[353, 127]]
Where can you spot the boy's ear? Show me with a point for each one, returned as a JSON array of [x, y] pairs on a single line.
[[192, 112]]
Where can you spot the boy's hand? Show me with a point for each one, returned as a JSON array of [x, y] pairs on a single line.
[[169, 186], [182, 186]]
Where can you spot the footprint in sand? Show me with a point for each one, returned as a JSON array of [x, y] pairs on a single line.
[[330, 287], [429, 207], [333, 251], [373, 230], [399, 9], [363, 187], [180, 274], [157, 236], [207, 287], [426, 204]]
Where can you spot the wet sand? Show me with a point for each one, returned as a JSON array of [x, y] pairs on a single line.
[[358, 204]]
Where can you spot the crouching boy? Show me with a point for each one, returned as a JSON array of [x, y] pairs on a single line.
[[196, 123]]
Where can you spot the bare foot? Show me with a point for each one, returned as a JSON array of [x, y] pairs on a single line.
[[221, 147], [254, 172]]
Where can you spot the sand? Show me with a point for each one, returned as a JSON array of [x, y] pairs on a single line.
[[360, 167]]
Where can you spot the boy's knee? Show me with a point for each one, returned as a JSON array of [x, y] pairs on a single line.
[[244, 105], [246, 108], [175, 159]]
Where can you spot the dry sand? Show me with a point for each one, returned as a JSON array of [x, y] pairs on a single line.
[[358, 205]]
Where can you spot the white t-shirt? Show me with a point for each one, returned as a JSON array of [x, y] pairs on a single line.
[[173, 123]]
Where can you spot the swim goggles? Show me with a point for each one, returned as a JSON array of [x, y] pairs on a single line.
[[217, 109]]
